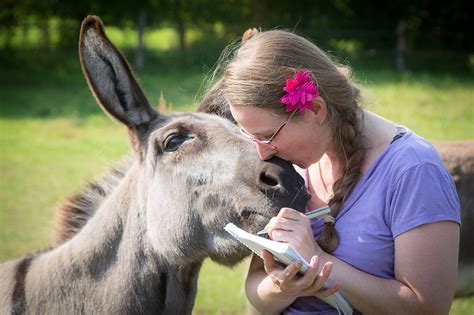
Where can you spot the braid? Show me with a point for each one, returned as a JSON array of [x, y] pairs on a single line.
[[350, 148]]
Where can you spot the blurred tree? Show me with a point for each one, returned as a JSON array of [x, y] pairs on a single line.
[[10, 15], [397, 26]]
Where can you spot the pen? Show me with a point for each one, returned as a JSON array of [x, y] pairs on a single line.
[[311, 214]]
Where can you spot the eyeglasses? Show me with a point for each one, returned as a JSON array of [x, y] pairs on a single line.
[[269, 140]]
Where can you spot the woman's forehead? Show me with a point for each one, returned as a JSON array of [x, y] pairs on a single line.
[[255, 119], [246, 112]]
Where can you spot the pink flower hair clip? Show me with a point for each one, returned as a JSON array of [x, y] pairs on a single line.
[[300, 92]]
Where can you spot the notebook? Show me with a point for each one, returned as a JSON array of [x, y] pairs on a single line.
[[286, 254]]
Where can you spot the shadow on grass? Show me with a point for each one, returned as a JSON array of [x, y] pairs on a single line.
[[49, 83]]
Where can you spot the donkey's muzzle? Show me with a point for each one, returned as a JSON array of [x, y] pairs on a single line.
[[282, 184]]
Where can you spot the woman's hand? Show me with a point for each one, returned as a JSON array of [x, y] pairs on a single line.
[[293, 227], [291, 284]]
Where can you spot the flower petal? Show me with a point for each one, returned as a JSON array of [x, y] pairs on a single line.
[[290, 85], [285, 99], [294, 97], [303, 97], [301, 90], [299, 77]]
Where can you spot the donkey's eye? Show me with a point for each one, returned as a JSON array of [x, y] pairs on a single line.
[[174, 141]]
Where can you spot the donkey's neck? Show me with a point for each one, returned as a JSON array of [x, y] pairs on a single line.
[[112, 259]]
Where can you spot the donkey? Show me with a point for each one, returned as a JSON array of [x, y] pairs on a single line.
[[141, 250], [459, 159]]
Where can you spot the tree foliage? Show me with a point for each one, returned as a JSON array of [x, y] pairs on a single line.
[[430, 24]]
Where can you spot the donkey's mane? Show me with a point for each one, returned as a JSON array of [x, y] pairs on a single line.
[[73, 214]]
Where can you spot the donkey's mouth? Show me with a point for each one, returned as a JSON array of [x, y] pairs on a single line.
[[246, 213], [253, 220]]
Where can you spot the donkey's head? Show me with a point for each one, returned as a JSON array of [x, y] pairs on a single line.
[[194, 172]]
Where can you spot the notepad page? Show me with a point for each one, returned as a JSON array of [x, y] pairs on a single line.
[[281, 251]]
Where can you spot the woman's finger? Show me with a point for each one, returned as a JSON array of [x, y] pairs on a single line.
[[277, 223], [282, 236], [291, 271], [323, 276], [306, 282], [281, 277], [269, 263], [290, 214]]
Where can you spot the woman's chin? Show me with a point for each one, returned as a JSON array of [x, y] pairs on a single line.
[[300, 164]]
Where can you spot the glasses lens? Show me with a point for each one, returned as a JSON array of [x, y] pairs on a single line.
[[246, 134], [270, 139]]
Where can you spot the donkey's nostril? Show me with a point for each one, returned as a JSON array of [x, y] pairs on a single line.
[[246, 213], [268, 179]]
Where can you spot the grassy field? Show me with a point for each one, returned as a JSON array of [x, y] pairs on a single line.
[[54, 138]]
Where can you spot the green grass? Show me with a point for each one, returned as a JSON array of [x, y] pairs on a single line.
[[437, 107], [39, 167], [54, 138]]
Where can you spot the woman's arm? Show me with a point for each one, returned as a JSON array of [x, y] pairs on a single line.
[[261, 292], [426, 260]]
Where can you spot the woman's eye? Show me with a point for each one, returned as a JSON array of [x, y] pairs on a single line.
[[173, 142]]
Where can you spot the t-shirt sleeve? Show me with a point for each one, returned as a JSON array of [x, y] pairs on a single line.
[[423, 194]]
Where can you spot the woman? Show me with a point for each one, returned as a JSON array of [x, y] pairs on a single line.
[[391, 242]]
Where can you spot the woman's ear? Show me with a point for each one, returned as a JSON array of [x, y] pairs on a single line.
[[320, 110]]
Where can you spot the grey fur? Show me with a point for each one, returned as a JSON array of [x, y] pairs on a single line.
[[140, 250]]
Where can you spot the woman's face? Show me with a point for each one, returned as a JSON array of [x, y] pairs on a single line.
[[302, 141]]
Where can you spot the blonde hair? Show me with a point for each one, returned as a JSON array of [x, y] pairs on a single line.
[[256, 75]]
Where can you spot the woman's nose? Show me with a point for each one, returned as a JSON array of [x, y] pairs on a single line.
[[265, 151]]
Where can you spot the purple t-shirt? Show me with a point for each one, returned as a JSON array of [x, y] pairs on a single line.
[[407, 186]]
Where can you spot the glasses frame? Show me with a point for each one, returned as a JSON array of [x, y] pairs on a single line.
[[269, 141]]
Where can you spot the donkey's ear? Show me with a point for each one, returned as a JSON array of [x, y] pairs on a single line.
[[110, 78]]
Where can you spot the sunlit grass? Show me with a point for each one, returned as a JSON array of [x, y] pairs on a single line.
[[436, 107]]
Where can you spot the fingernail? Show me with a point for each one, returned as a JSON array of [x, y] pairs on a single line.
[[328, 266]]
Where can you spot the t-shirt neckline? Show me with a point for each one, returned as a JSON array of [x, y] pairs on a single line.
[[400, 130]]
